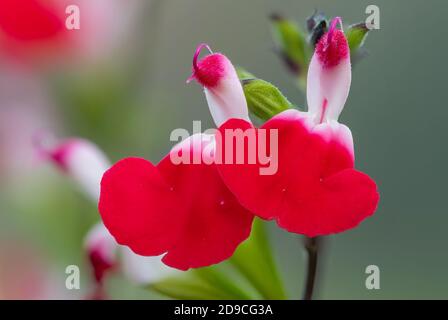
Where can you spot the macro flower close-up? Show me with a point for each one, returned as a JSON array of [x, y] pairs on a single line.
[[232, 158], [316, 190]]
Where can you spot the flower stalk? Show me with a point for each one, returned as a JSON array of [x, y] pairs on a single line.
[[312, 250]]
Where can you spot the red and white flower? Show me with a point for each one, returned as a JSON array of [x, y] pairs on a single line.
[[181, 210], [316, 190]]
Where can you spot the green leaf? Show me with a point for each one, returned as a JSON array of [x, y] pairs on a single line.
[[356, 35], [222, 282], [188, 287], [292, 44], [264, 99], [254, 260], [203, 283]]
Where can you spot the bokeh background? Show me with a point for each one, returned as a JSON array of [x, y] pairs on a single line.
[[125, 90]]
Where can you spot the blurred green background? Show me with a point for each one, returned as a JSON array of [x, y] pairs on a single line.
[[129, 102]]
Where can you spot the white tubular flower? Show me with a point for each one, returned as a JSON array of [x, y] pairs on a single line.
[[83, 161]]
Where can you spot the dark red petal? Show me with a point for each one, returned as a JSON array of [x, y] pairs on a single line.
[[216, 222], [138, 207]]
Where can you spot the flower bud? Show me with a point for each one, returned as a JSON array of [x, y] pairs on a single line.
[[329, 75], [105, 255], [81, 160], [223, 90], [101, 249]]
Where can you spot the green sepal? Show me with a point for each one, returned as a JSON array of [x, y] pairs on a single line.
[[356, 35]]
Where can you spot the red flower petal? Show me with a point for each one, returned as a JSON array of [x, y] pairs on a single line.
[[184, 210], [315, 191], [137, 207], [216, 222], [244, 180], [339, 203]]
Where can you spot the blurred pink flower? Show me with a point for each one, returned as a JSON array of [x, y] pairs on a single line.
[[34, 31]]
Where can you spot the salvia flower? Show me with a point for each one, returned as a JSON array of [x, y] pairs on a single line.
[[175, 208], [178, 209], [316, 190]]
